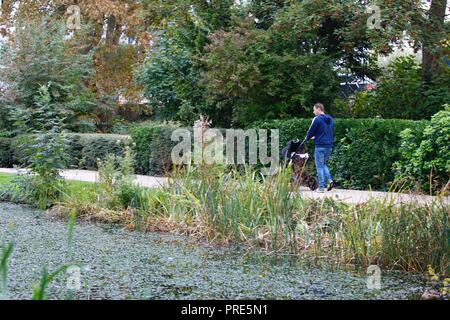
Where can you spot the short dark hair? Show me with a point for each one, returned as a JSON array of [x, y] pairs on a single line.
[[319, 106]]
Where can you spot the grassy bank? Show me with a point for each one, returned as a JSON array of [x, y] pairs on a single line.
[[6, 178], [229, 207], [262, 212]]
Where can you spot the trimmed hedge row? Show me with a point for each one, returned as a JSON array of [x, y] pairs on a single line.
[[365, 149], [5, 153], [84, 149], [363, 157], [152, 147]]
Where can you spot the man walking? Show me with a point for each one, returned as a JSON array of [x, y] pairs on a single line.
[[322, 131]]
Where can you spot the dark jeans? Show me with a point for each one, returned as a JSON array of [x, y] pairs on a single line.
[[321, 156]]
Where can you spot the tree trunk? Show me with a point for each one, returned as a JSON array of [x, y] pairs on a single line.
[[434, 32], [113, 31], [111, 27]]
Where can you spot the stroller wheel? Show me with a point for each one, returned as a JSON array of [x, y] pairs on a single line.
[[313, 184]]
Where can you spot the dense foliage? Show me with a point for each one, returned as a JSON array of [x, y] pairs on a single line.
[[83, 151], [400, 93], [425, 154], [5, 153], [236, 71], [103, 26], [365, 149], [274, 59], [152, 146], [44, 80]]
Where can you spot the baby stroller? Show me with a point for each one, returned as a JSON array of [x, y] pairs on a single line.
[[295, 153]]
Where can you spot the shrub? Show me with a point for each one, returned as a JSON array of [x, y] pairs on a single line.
[[152, 146], [84, 150], [360, 105], [98, 146], [401, 93], [42, 184], [47, 156], [425, 154], [44, 77], [364, 152], [5, 153], [116, 175]]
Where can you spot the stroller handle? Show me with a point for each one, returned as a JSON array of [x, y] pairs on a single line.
[[287, 153]]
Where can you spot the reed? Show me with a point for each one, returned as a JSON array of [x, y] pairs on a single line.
[[4, 257], [262, 211], [39, 291], [226, 206], [232, 206]]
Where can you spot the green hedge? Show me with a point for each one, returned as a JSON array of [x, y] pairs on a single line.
[[84, 149], [152, 147], [363, 157], [89, 148], [6, 160], [365, 149], [425, 155]]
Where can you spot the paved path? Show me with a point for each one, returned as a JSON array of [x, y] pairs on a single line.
[[359, 196], [348, 196], [92, 176]]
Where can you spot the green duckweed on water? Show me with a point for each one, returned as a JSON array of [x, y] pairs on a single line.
[[122, 264]]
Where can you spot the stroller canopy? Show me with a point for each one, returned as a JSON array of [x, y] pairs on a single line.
[[290, 149]]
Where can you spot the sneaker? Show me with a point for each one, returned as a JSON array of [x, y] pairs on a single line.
[[331, 185], [320, 190]]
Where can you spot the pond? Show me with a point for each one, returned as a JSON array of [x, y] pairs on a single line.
[[120, 264]]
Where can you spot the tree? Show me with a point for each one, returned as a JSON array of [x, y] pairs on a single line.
[[274, 59], [44, 78], [261, 60], [172, 73], [434, 35], [283, 70], [422, 24], [107, 22], [170, 83]]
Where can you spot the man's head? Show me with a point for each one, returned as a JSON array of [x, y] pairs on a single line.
[[319, 109]]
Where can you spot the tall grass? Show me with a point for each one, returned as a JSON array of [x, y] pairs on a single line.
[[262, 211], [4, 257], [244, 207], [233, 206], [39, 291], [407, 236]]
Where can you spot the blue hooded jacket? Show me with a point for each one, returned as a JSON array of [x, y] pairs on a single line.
[[322, 128]]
